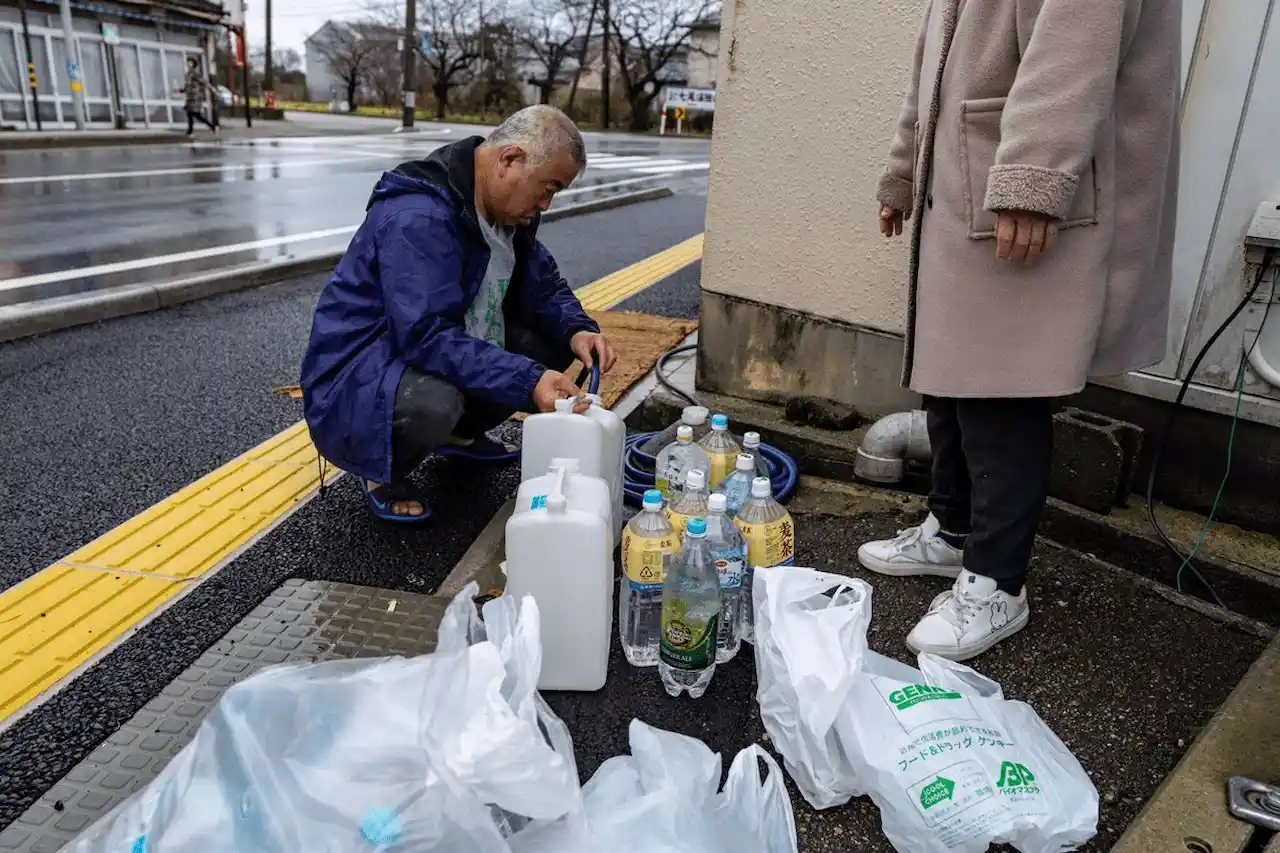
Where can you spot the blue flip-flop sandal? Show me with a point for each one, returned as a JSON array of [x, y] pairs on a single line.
[[382, 498], [483, 449]]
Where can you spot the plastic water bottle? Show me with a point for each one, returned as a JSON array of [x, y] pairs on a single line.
[[771, 541], [720, 447], [690, 616], [676, 460], [736, 488], [692, 502], [751, 446], [648, 543], [696, 417], [729, 551]]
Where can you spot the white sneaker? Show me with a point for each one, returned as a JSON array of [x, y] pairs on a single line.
[[969, 619], [915, 551]]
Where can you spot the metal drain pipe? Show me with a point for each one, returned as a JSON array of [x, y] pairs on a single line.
[[889, 443]]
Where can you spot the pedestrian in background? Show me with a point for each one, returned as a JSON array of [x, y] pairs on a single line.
[[197, 96], [1038, 152]]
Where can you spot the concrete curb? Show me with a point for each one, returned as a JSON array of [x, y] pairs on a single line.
[[1189, 809], [37, 141], [49, 315]]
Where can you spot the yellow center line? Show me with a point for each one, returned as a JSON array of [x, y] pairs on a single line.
[[64, 618]]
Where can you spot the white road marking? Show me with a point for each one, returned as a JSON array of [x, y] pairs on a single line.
[[664, 170], [181, 170], [163, 260], [231, 249], [639, 164]]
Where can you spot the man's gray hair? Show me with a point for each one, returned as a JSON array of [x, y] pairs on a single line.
[[542, 131]]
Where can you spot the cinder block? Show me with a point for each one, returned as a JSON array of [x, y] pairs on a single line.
[[1095, 458]]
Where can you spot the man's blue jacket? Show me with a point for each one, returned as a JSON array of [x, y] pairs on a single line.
[[397, 298]]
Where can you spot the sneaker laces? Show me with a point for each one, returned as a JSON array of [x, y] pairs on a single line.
[[958, 608]]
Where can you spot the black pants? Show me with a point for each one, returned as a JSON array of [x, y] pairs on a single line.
[[195, 115], [429, 410], [991, 462]]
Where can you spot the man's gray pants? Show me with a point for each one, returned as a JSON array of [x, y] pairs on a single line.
[[429, 411]]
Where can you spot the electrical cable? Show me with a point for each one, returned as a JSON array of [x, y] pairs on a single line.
[[1187, 561]]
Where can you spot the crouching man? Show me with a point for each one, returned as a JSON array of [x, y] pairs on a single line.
[[446, 315]]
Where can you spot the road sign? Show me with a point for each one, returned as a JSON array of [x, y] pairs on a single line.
[[697, 100], [679, 114], [426, 43], [110, 33]]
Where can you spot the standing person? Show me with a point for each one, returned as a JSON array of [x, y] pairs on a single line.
[[1038, 151], [197, 96]]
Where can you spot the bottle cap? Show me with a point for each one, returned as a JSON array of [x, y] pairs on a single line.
[[719, 422], [746, 462], [570, 466], [684, 433], [596, 399], [652, 499], [696, 480], [717, 503], [696, 527], [565, 404], [751, 439], [761, 487], [694, 415]]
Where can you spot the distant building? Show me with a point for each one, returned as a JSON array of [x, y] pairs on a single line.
[[703, 53], [339, 45], [155, 37]]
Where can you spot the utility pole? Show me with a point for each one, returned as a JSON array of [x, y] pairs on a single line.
[[604, 79], [73, 65], [268, 83], [410, 54], [243, 57], [31, 65]]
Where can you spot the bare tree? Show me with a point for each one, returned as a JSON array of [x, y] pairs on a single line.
[[550, 33], [347, 50], [652, 38], [452, 32]]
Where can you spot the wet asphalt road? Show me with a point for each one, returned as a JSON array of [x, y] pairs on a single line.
[[83, 219]]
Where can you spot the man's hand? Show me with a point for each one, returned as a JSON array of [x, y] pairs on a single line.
[[587, 345], [890, 221], [556, 386], [1023, 237]]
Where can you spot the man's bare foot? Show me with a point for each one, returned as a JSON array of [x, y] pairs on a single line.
[[399, 507]]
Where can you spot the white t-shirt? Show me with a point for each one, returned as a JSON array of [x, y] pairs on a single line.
[[484, 319]]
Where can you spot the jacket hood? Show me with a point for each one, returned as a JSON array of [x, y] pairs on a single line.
[[449, 171]]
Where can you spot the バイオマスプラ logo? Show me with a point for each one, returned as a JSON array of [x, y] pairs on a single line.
[[1016, 779]]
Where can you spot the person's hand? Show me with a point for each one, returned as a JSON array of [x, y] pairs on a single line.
[[556, 386], [1023, 237], [587, 345], [890, 221]]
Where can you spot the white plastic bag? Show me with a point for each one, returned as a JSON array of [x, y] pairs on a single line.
[[445, 752], [955, 767], [664, 798], [808, 649]]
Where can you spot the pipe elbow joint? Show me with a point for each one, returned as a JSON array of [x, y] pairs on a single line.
[[889, 443]]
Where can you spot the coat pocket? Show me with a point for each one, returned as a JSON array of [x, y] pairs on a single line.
[[979, 140]]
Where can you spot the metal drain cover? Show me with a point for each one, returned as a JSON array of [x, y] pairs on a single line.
[[1255, 802], [300, 621]]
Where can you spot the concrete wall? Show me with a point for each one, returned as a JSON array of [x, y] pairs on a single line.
[[807, 94]]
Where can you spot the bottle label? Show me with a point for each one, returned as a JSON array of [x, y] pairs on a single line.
[[538, 502], [770, 544], [722, 465], [678, 521], [730, 565], [685, 644], [645, 559]]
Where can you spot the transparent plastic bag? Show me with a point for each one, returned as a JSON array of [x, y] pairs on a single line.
[[954, 767], [664, 798], [809, 644], [452, 751]]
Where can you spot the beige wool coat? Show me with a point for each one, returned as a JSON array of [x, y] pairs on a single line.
[[1068, 108]]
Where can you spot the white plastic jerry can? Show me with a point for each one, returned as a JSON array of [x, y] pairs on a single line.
[[563, 557], [562, 435], [614, 451], [588, 494]]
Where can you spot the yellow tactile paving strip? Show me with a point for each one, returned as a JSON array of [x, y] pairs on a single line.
[[625, 283], [64, 617]]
